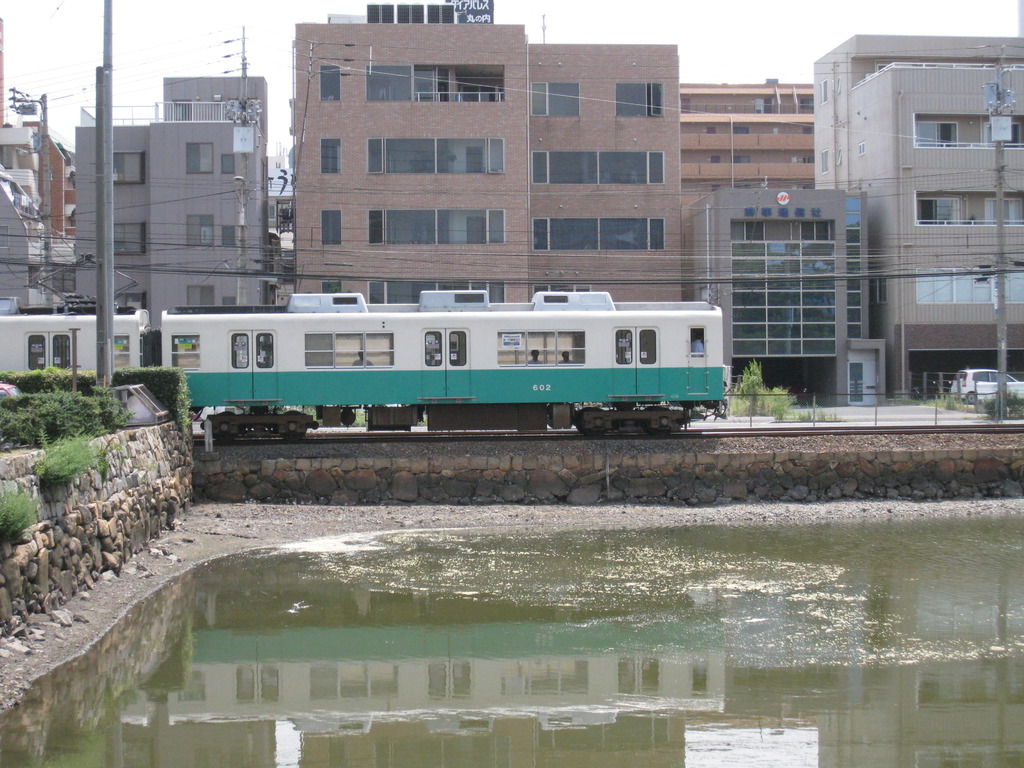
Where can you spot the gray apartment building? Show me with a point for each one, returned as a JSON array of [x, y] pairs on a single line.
[[903, 122], [434, 153], [190, 191]]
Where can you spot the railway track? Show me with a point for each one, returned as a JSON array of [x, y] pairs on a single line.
[[361, 436]]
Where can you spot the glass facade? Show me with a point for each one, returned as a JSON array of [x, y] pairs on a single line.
[[855, 308], [784, 299]]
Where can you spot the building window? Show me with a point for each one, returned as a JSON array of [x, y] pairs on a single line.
[[1013, 213], [741, 159], [939, 286], [710, 129], [931, 133], [436, 156], [129, 167], [747, 230], [611, 234], [555, 99], [199, 229], [130, 238], [330, 227], [388, 83], [330, 155], [598, 167], [741, 130], [5, 239], [638, 100], [227, 164], [198, 158], [437, 227], [823, 91], [227, 236], [824, 168], [938, 210], [764, 106], [862, 149], [198, 296], [816, 230], [330, 82]]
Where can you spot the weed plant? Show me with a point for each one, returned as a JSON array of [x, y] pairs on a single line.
[[18, 511], [64, 461]]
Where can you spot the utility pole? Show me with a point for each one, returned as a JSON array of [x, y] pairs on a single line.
[[999, 102], [244, 112], [105, 205]]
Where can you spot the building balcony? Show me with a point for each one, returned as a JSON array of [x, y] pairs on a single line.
[[728, 171], [167, 112], [724, 142]]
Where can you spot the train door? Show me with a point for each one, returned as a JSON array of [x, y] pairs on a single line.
[[49, 349], [637, 369], [446, 370], [699, 377], [252, 365]]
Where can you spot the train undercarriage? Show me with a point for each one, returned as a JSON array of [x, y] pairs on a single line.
[[588, 419]]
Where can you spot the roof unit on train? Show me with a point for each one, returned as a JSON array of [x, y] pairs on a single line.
[[9, 306], [573, 301], [327, 302], [453, 301]]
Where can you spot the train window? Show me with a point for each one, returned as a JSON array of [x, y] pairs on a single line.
[[60, 345], [624, 347], [319, 350], [264, 350], [648, 346], [432, 356], [185, 352], [122, 351], [697, 342], [572, 348], [541, 347], [240, 350], [457, 348], [348, 350], [36, 352], [380, 349]]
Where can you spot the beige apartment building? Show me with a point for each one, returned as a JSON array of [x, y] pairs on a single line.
[[746, 135], [451, 155], [904, 123]]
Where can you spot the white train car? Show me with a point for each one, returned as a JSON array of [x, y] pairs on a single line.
[[30, 341], [561, 360]]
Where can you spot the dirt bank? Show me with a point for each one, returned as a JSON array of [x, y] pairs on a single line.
[[212, 530]]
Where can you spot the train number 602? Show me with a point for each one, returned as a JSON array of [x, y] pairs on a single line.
[[541, 387]]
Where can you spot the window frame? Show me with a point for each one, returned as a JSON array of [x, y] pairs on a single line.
[[199, 157], [330, 155], [653, 104], [200, 229], [542, 99], [123, 176]]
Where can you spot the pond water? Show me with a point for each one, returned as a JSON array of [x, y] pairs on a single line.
[[845, 645]]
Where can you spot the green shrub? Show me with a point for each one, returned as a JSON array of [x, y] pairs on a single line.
[[49, 380], [1014, 406], [168, 385], [18, 511], [50, 416], [64, 461], [752, 398]]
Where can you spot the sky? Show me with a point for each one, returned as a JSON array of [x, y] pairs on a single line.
[[55, 46]]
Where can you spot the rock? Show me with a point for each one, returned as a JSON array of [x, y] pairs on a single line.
[[63, 618]]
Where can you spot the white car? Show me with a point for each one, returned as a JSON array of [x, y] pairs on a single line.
[[973, 383]]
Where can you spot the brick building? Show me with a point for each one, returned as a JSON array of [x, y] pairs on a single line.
[[460, 155]]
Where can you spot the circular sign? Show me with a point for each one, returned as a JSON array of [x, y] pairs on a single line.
[[782, 198]]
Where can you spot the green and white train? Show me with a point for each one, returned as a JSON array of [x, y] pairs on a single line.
[[454, 360]]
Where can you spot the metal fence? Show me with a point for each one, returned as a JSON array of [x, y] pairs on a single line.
[[855, 409]]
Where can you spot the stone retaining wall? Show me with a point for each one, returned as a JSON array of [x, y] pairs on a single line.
[[675, 478], [95, 523]]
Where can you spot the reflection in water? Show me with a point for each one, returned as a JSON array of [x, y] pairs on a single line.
[[853, 646]]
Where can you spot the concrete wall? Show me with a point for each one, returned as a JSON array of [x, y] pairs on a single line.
[[95, 523], [674, 478]]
